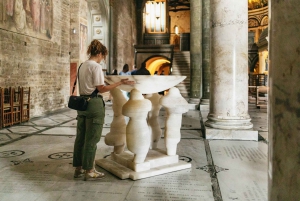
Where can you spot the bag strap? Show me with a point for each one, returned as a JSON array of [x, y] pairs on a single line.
[[95, 92], [77, 77]]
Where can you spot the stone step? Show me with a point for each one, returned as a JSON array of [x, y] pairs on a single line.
[[185, 66], [181, 67], [181, 62], [180, 72], [187, 53]]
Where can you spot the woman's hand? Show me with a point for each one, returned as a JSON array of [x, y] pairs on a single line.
[[127, 82], [105, 88]]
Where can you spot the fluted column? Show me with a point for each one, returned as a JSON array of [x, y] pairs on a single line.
[[229, 69], [284, 100], [206, 51], [196, 51]]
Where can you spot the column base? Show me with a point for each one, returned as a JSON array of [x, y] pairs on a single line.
[[194, 101], [229, 124], [225, 134], [204, 102]]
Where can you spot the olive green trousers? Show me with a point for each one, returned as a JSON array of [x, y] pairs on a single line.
[[89, 131]]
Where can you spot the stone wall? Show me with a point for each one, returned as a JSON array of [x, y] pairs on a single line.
[[182, 20], [78, 15], [42, 64], [124, 34]]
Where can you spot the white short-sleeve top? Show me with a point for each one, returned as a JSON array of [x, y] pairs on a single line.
[[90, 76]]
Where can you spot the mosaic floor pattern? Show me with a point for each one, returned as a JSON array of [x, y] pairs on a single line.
[[36, 164]]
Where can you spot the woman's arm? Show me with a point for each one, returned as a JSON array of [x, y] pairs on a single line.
[[105, 88]]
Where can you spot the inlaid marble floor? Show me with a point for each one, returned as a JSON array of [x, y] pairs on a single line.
[[36, 164]]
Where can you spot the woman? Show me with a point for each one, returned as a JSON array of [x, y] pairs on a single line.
[[90, 122]]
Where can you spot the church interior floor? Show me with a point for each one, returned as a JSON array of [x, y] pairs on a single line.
[[36, 164]]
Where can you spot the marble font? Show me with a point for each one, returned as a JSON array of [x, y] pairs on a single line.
[[143, 158]]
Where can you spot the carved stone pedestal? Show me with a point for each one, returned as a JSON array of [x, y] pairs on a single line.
[[142, 130], [157, 162]]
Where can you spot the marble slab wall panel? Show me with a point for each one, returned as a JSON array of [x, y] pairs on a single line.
[[284, 100], [242, 169]]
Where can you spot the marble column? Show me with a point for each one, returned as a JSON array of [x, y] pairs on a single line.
[[229, 68], [206, 51], [195, 51], [284, 100]]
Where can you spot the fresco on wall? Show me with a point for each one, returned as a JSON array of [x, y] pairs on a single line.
[[29, 17]]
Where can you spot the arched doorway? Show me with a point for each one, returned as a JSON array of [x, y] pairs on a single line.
[[158, 65]]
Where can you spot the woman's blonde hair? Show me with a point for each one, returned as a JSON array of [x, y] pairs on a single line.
[[96, 47]]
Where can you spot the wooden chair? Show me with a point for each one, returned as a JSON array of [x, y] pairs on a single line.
[[17, 100], [25, 104], [6, 106]]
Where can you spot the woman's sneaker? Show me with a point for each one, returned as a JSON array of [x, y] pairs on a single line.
[[78, 173], [93, 175]]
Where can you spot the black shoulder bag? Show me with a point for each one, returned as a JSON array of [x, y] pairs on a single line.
[[78, 102]]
